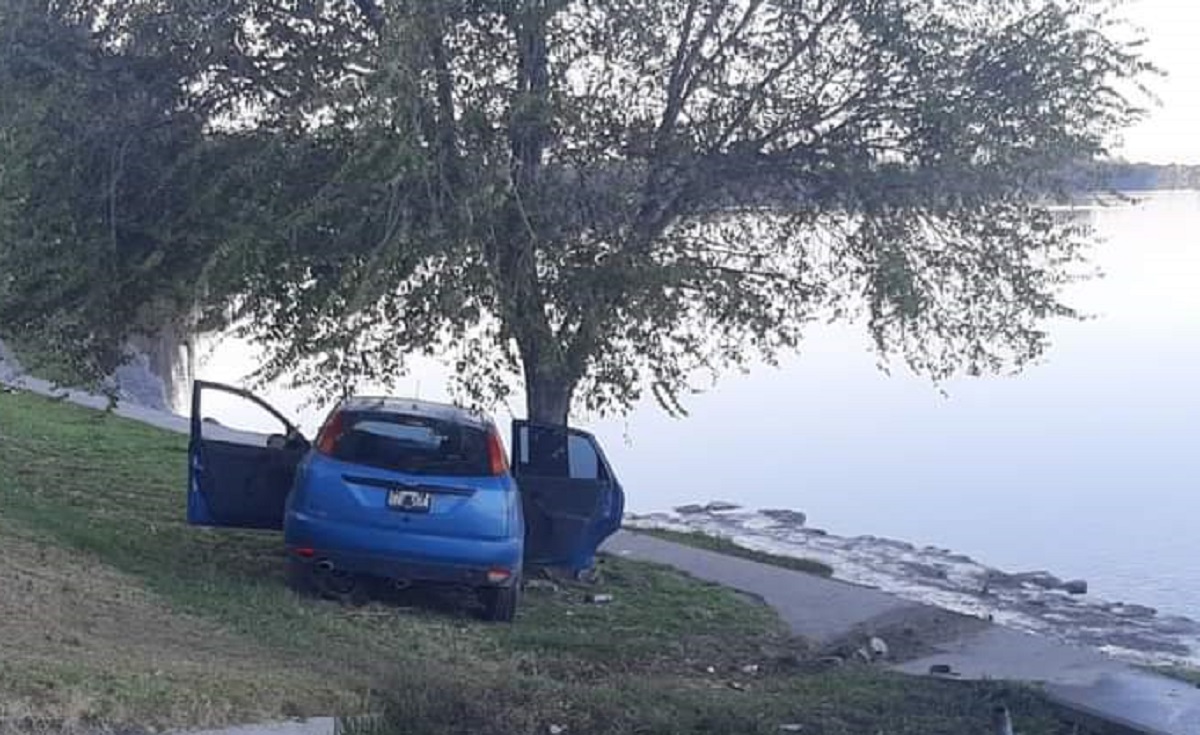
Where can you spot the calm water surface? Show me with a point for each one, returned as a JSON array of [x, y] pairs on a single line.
[[1087, 465]]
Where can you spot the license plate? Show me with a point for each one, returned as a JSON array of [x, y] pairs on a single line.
[[412, 501]]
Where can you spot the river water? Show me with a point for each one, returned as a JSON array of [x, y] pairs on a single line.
[[1087, 465]]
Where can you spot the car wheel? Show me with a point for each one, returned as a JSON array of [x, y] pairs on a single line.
[[500, 603], [300, 578]]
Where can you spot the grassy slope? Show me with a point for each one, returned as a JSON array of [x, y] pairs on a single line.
[[214, 636], [1191, 676], [726, 546]]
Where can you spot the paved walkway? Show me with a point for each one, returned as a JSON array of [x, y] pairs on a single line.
[[823, 610], [11, 376]]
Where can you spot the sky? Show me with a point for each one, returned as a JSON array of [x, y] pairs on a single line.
[[1171, 134]]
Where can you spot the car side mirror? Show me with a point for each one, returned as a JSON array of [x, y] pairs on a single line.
[[277, 441]]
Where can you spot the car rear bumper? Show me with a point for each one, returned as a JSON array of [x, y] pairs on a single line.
[[391, 554]]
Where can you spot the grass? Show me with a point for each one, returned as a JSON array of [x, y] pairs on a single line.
[[116, 614], [1182, 673], [728, 547]]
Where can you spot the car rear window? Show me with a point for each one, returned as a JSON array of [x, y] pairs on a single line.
[[417, 445]]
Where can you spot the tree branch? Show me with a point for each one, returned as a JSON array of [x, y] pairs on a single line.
[[756, 96], [447, 123], [679, 86]]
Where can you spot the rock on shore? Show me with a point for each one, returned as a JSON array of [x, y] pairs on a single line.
[[1035, 601]]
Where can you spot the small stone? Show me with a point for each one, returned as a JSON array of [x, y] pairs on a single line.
[[737, 686], [557, 729], [791, 727], [750, 669], [1075, 587], [1128, 610], [930, 571], [863, 655], [599, 599], [720, 506], [541, 584], [879, 647], [710, 670], [1045, 580], [591, 575], [786, 517]]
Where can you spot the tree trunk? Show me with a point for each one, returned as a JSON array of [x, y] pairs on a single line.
[[547, 397]]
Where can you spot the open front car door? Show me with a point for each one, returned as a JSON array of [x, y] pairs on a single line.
[[570, 497], [239, 479]]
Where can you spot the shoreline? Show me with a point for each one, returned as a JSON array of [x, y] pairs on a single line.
[[1033, 602]]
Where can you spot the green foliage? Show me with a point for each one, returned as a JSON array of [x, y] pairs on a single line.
[[99, 233], [589, 200], [122, 174]]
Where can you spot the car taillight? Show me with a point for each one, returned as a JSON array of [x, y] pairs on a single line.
[[330, 433], [497, 457]]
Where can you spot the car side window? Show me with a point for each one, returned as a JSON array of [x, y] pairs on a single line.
[[235, 418], [553, 452], [582, 460]]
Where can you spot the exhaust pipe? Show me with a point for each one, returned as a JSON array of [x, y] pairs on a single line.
[[334, 582]]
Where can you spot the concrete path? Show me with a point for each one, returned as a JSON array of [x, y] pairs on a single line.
[[823, 610], [11, 376], [817, 609], [314, 726]]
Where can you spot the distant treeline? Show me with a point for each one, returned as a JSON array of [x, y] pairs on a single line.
[[1125, 176]]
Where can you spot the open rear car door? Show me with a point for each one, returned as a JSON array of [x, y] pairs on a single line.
[[570, 497], [239, 479]]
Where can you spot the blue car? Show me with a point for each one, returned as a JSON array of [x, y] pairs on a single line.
[[408, 491]]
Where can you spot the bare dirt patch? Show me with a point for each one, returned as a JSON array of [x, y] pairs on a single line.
[[909, 632]]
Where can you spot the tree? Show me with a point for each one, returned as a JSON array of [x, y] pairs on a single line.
[[614, 197], [123, 170], [609, 198], [96, 159]]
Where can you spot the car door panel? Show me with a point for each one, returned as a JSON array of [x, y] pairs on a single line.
[[239, 479], [569, 494]]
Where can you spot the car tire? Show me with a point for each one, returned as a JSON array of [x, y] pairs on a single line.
[[300, 578], [500, 603]]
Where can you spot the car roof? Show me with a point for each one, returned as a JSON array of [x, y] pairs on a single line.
[[416, 407]]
